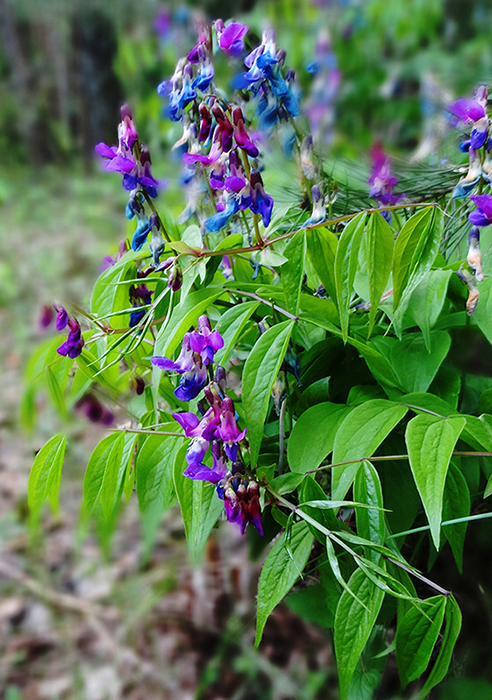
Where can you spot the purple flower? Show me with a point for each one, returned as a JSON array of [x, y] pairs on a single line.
[[205, 341], [241, 135], [61, 318], [74, 343], [46, 316], [261, 203], [140, 297], [482, 216], [231, 38], [473, 111], [228, 430], [214, 475], [190, 366]]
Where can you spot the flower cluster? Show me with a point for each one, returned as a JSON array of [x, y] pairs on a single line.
[[132, 160], [382, 181], [471, 115], [215, 428], [218, 145]]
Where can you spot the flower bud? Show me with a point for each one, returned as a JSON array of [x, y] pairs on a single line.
[[175, 278]]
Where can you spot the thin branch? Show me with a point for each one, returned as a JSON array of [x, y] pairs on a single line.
[[255, 296]]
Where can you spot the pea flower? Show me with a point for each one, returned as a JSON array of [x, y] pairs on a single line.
[[231, 38], [473, 111], [482, 216], [74, 342], [94, 410], [468, 182]]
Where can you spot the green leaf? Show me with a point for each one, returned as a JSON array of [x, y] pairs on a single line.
[[293, 271], [452, 629], [260, 371], [353, 625], [101, 476], [414, 249], [154, 468], [416, 636], [282, 567], [312, 491], [109, 294], [370, 521], [346, 261], [55, 392], [483, 315], [44, 479], [415, 365], [182, 318], [379, 243], [359, 436], [426, 302], [321, 250], [430, 442], [231, 326], [200, 506], [456, 504], [313, 435], [233, 240]]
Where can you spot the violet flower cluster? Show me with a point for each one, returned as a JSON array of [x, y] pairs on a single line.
[[471, 115], [132, 160], [215, 427], [218, 145]]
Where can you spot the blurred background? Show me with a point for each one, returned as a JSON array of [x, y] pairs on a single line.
[[84, 624]]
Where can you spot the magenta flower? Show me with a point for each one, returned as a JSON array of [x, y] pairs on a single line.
[[242, 505], [231, 38], [205, 341], [382, 181]]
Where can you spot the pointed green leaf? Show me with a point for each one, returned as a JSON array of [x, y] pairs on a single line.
[[456, 504], [359, 436], [260, 371], [427, 300], [483, 315], [414, 365], [200, 506], [293, 271], [346, 261], [101, 476], [416, 636], [313, 435], [430, 442], [312, 491], [154, 468], [379, 243], [370, 521], [321, 250], [353, 625], [231, 326], [452, 629], [281, 570], [55, 392], [44, 479], [109, 294], [409, 251]]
